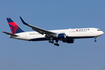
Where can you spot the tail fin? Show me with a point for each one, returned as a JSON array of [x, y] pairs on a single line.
[[13, 26]]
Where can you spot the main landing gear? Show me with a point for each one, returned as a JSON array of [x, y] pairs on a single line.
[[95, 39], [52, 41], [56, 44]]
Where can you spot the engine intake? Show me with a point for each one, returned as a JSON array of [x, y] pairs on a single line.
[[61, 35]]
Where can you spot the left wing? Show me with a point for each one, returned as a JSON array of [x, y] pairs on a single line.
[[39, 30]]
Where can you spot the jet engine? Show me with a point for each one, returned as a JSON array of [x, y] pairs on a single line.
[[61, 35]]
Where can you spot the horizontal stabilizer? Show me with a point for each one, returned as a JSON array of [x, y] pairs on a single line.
[[9, 34]]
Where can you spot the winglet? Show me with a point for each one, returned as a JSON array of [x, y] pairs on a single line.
[[23, 21]]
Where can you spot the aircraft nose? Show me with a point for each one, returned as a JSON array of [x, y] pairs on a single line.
[[102, 32]]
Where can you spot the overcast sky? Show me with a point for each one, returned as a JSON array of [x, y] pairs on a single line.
[[83, 54]]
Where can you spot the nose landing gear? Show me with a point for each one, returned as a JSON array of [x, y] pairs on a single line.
[[95, 39]]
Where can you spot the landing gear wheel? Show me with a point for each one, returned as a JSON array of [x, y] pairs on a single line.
[[56, 44], [95, 40]]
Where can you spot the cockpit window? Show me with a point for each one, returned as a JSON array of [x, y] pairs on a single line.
[[98, 30]]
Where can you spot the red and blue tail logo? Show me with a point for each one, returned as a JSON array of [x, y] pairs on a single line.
[[13, 26]]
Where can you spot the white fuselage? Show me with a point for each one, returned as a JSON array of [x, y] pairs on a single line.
[[70, 33]]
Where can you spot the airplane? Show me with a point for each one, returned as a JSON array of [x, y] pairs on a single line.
[[53, 36]]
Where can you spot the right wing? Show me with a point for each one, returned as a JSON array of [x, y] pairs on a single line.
[[39, 30]]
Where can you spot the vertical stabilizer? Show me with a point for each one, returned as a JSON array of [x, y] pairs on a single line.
[[13, 26]]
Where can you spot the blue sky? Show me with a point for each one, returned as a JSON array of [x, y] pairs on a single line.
[[84, 54]]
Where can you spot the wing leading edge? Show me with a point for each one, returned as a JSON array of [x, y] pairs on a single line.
[[39, 30]]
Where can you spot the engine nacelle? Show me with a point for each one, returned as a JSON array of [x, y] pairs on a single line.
[[61, 35], [69, 41]]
